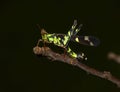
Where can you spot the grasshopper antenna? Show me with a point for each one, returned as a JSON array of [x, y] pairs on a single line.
[[38, 26], [43, 31], [39, 39]]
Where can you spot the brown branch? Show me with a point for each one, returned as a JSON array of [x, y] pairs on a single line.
[[115, 57], [46, 51]]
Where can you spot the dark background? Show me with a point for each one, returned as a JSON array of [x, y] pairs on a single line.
[[22, 71]]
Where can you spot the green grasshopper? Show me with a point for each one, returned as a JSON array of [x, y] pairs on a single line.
[[62, 40]]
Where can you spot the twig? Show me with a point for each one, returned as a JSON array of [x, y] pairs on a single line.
[[46, 51], [115, 57]]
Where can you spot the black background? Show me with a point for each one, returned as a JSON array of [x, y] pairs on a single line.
[[22, 71]]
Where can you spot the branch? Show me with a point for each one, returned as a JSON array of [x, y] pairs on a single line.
[[46, 51], [113, 56]]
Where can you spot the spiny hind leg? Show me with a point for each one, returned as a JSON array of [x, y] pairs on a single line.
[[80, 56], [65, 52]]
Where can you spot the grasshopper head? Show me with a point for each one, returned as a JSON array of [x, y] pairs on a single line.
[[44, 34]]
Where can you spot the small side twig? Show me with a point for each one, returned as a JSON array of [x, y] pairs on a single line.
[[46, 51], [115, 57]]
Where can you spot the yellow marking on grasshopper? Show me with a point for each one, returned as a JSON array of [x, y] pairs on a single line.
[[76, 39]]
